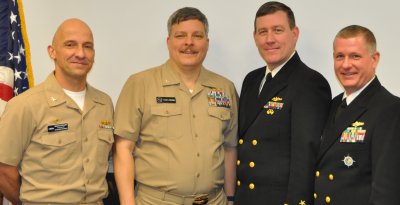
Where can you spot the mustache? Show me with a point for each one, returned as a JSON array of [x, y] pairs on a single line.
[[188, 48]]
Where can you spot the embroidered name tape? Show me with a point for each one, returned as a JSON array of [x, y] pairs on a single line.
[[58, 127], [165, 99]]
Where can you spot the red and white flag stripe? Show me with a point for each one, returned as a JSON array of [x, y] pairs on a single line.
[[6, 86]]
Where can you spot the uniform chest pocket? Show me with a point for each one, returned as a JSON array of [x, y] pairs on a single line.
[[55, 150], [219, 119], [105, 141], [166, 121], [220, 113]]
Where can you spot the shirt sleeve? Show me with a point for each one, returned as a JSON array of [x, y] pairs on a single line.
[[17, 127], [128, 111], [232, 131]]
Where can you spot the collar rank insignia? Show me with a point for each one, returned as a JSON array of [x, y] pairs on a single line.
[[106, 124], [273, 105], [348, 160], [217, 97], [354, 134]]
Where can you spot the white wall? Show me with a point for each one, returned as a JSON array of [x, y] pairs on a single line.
[[130, 35]]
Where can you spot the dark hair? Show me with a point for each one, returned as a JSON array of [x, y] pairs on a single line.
[[187, 13], [357, 30], [272, 7]]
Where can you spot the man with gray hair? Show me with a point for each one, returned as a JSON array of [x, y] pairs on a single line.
[[180, 121]]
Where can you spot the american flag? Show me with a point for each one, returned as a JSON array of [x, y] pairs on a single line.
[[15, 68]]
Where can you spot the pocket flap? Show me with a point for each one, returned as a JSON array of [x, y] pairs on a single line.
[[57, 139], [163, 110], [220, 113], [106, 135]]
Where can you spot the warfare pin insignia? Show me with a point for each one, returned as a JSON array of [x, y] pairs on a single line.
[[273, 105]]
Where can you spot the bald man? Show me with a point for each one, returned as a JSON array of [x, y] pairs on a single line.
[[56, 137]]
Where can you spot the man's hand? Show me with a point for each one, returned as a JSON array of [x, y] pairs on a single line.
[[9, 183]]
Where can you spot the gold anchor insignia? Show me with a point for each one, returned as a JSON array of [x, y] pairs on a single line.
[[270, 111], [357, 124], [275, 99], [302, 202]]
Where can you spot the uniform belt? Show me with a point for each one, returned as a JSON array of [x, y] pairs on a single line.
[[92, 203], [197, 199]]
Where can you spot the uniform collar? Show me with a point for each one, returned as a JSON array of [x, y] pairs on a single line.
[[206, 78], [56, 96], [169, 76], [277, 69], [351, 97]]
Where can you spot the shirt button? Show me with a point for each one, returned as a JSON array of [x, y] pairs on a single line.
[[85, 139], [251, 164], [241, 141], [196, 135], [59, 141], [317, 173], [198, 175], [198, 154], [251, 186], [87, 160], [328, 199], [238, 162], [166, 112], [254, 142], [194, 116], [331, 177]]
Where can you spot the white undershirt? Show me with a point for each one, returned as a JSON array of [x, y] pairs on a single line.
[[351, 97], [273, 72], [78, 97]]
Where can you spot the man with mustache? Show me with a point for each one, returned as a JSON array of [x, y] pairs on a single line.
[[56, 137], [282, 111], [180, 121]]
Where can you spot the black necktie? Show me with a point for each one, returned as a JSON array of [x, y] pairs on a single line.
[[340, 109], [267, 79]]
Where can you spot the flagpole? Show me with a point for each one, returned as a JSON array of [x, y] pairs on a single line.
[[26, 42]]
